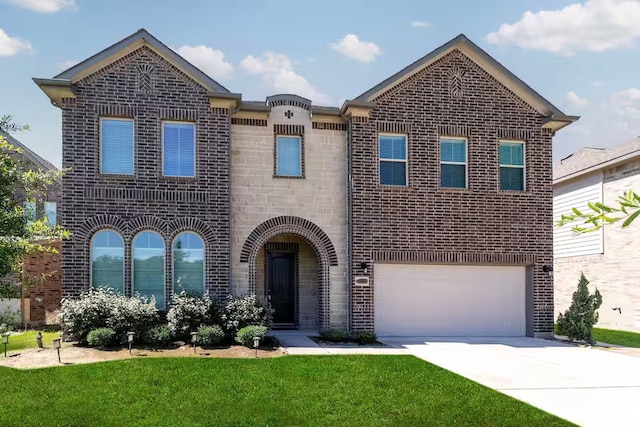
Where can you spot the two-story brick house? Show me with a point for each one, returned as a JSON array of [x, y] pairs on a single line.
[[421, 207]]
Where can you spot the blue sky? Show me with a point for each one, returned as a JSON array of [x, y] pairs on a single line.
[[581, 56]]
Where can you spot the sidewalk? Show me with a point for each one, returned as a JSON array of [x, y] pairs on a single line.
[[297, 342]]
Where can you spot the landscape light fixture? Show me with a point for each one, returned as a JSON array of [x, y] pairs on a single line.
[[130, 340], [194, 340], [57, 343], [5, 341], [256, 344]]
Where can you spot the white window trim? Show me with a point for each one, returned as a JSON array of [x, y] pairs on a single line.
[[195, 138], [405, 161], [133, 282], [299, 138], [524, 163], [133, 143], [465, 163], [204, 261], [124, 261]]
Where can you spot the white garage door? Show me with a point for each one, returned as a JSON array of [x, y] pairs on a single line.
[[446, 300]]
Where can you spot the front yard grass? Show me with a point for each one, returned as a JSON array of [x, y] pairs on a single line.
[[28, 340], [610, 336], [302, 390]]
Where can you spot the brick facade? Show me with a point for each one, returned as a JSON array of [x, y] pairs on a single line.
[[148, 200], [44, 297], [478, 224]]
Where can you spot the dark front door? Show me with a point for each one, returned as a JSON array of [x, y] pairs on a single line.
[[281, 286]]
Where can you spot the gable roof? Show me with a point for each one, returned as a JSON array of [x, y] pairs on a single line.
[[28, 153], [556, 119], [587, 160]]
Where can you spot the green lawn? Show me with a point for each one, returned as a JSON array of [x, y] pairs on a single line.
[[28, 340], [290, 390], [609, 336]]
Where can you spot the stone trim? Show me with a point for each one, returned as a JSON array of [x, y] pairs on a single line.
[[453, 257], [329, 126], [517, 134], [284, 130], [248, 122], [290, 100], [453, 130]]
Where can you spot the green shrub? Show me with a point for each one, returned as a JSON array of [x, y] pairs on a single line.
[[211, 335], [335, 335], [11, 320], [188, 312], [159, 336], [246, 334], [244, 311], [365, 337], [102, 337], [577, 322], [105, 308]]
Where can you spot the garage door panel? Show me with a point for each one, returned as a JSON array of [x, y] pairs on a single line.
[[444, 300]]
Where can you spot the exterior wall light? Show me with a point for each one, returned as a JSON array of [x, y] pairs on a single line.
[[364, 266], [548, 269]]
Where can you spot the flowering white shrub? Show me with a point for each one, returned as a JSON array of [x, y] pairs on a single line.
[[244, 311], [105, 308], [188, 313]]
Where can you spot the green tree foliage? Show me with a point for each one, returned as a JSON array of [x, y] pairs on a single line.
[[627, 209], [577, 322], [19, 237]]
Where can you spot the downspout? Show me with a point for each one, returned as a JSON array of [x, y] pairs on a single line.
[[349, 229]]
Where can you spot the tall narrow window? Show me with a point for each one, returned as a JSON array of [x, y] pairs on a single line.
[[289, 156], [116, 142], [148, 267], [512, 165], [188, 264], [179, 149], [453, 163], [393, 159], [107, 260], [50, 213], [30, 211]]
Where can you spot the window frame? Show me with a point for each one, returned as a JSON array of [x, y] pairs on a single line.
[[300, 157], [133, 145], [405, 161], [195, 138], [523, 167], [124, 258], [465, 163], [204, 260], [164, 265]]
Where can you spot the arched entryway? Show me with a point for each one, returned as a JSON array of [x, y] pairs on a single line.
[[289, 259]]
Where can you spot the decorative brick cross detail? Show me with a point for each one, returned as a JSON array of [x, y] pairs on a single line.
[[288, 114]]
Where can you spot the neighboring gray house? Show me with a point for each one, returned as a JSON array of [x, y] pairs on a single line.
[[423, 206], [608, 257]]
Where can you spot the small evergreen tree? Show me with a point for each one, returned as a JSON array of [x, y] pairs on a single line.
[[577, 322]]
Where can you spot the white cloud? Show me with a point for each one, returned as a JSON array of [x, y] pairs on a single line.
[[575, 100], [596, 25], [352, 47], [278, 72], [65, 65], [419, 24], [45, 6], [207, 59], [626, 104], [596, 83], [12, 45]]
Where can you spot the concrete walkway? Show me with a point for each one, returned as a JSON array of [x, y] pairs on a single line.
[[297, 342]]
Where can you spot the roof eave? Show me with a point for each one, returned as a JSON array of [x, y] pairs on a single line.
[[56, 89], [556, 122]]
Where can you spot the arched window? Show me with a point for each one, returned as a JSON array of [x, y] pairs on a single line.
[[188, 264], [107, 260], [148, 254]]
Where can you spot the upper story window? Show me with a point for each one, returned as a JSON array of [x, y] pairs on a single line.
[[30, 211], [179, 153], [116, 146], [289, 156], [188, 264], [512, 165], [393, 159], [453, 162], [50, 211], [107, 260]]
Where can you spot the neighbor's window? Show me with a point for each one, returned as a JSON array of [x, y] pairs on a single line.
[[188, 264], [288, 156], [453, 162], [393, 159], [179, 153], [116, 146], [50, 213], [30, 211], [512, 165], [148, 266], [107, 260]]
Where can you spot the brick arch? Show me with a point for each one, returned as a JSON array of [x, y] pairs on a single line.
[[196, 225], [88, 228], [310, 233], [146, 222], [301, 227]]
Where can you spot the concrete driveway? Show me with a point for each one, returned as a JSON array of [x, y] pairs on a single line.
[[590, 387]]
